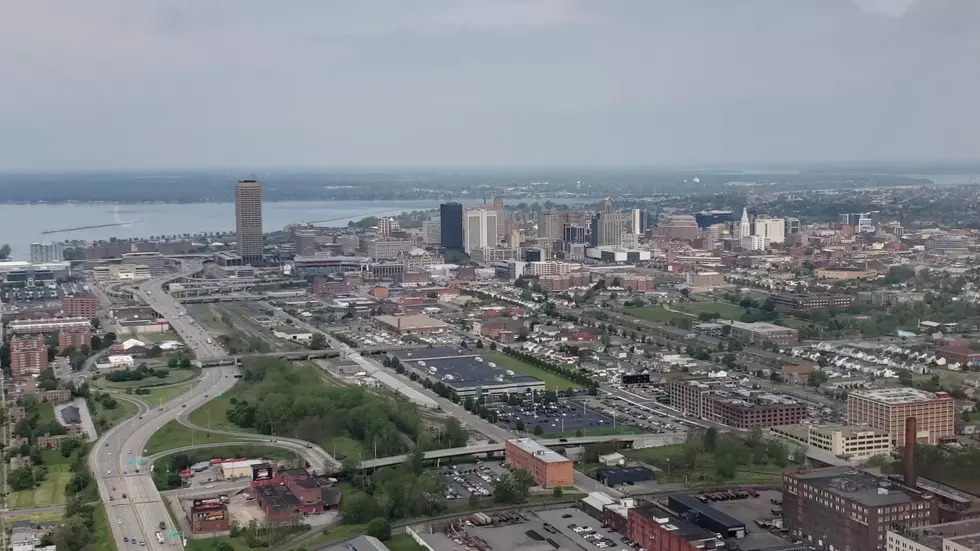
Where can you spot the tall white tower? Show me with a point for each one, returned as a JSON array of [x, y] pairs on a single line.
[[744, 229]]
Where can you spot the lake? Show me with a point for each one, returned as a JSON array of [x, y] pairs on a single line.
[[21, 225]]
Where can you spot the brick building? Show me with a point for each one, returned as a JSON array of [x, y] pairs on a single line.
[[707, 399], [657, 529], [284, 494], [764, 333], [887, 409], [209, 514], [549, 468], [841, 508], [82, 306], [57, 396], [28, 355], [73, 338]]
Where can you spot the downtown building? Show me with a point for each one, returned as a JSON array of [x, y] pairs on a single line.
[[887, 409], [451, 226], [248, 221], [479, 229]]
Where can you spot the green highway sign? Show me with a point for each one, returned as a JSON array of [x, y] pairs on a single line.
[[174, 534], [218, 394]]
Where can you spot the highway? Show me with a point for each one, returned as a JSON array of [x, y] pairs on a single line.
[[115, 459]]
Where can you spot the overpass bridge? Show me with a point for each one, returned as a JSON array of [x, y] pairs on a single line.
[[628, 441], [309, 354]]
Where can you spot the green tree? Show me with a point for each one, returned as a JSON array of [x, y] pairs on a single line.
[[20, 479], [318, 342], [710, 439], [557, 493], [73, 535], [359, 507], [538, 431], [379, 528], [96, 343], [185, 363], [5, 252], [523, 482], [173, 362]]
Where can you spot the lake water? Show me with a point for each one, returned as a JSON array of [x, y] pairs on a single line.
[[21, 225]]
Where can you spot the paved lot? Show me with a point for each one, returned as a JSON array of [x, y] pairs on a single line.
[[564, 416], [83, 413], [464, 480], [578, 518], [749, 510]]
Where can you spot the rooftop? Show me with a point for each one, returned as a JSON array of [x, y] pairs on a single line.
[[673, 523], [413, 321], [858, 486], [535, 448], [900, 395], [468, 372], [963, 532]]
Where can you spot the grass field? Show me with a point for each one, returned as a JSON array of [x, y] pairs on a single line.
[[403, 542], [656, 313], [551, 380], [704, 472], [173, 377], [174, 435], [159, 396], [343, 447], [723, 309], [35, 518], [46, 412], [50, 492], [209, 316], [113, 417], [158, 337], [101, 531]]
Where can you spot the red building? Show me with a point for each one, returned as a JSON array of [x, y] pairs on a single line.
[[657, 529], [209, 514], [79, 306], [283, 495], [76, 339], [28, 355]]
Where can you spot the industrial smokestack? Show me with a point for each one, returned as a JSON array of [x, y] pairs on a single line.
[[910, 437]]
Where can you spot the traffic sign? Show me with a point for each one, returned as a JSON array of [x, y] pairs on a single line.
[[130, 462], [142, 461], [174, 534], [218, 394]]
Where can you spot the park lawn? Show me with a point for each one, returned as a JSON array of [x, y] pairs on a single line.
[[214, 414], [124, 410], [656, 314], [101, 531], [48, 493], [46, 413], [173, 377], [723, 309], [552, 381], [159, 337], [174, 435], [35, 518]]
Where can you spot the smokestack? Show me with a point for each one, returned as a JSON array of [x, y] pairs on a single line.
[[910, 433]]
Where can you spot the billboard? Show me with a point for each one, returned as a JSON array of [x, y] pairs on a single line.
[[208, 503], [211, 516], [262, 472], [636, 379]]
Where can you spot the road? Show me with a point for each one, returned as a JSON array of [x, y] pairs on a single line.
[[115, 459]]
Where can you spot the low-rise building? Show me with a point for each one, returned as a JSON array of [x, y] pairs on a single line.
[[549, 468], [841, 274], [811, 302], [764, 333], [857, 442], [411, 324], [708, 399], [295, 334], [57, 396]]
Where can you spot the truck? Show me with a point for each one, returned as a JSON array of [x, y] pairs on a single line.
[[209, 340]]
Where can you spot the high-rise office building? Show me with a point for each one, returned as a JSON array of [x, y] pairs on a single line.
[[47, 252], [451, 226], [793, 226], [773, 230], [248, 221], [498, 207], [480, 229], [431, 231], [550, 224], [573, 233], [608, 229], [744, 227], [305, 241], [607, 206]]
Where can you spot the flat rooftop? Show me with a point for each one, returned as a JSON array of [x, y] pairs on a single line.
[[963, 532], [433, 353], [673, 523], [859, 486], [535, 448], [468, 371], [900, 395]]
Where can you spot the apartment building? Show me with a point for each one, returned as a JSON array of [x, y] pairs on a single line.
[[28, 355], [887, 409], [811, 302]]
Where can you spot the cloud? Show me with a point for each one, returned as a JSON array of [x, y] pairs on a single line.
[[243, 83]]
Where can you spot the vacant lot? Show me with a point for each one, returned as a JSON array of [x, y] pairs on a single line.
[[48, 493], [174, 435], [704, 472], [173, 377], [551, 380]]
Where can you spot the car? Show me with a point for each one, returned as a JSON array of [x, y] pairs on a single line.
[[108, 472], [107, 444], [566, 515], [142, 543], [125, 540], [119, 521], [124, 496]]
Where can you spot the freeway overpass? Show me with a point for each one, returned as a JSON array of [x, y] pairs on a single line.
[[628, 440], [309, 354]]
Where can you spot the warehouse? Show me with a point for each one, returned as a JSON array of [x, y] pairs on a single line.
[[618, 476], [237, 469], [706, 516], [595, 504]]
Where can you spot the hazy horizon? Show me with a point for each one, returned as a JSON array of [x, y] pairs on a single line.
[[111, 85]]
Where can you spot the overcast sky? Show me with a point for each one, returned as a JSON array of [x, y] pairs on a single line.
[[107, 84]]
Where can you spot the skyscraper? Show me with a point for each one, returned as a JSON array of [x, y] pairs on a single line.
[[451, 226], [480, 229], [498, 206], [248, 221], [608, 229], [550, 224], [744, 227]]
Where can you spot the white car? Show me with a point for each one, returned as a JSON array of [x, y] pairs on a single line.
[[108, 472]]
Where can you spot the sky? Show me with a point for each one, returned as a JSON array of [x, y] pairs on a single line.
[[123, 84]]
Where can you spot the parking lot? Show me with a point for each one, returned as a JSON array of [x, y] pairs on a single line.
[[582, 529], [468, 479], [749, 510], [653, 419], [563, 416]]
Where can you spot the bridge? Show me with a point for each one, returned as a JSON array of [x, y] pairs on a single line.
[[234, 297], [309, 354], [628, 440]]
